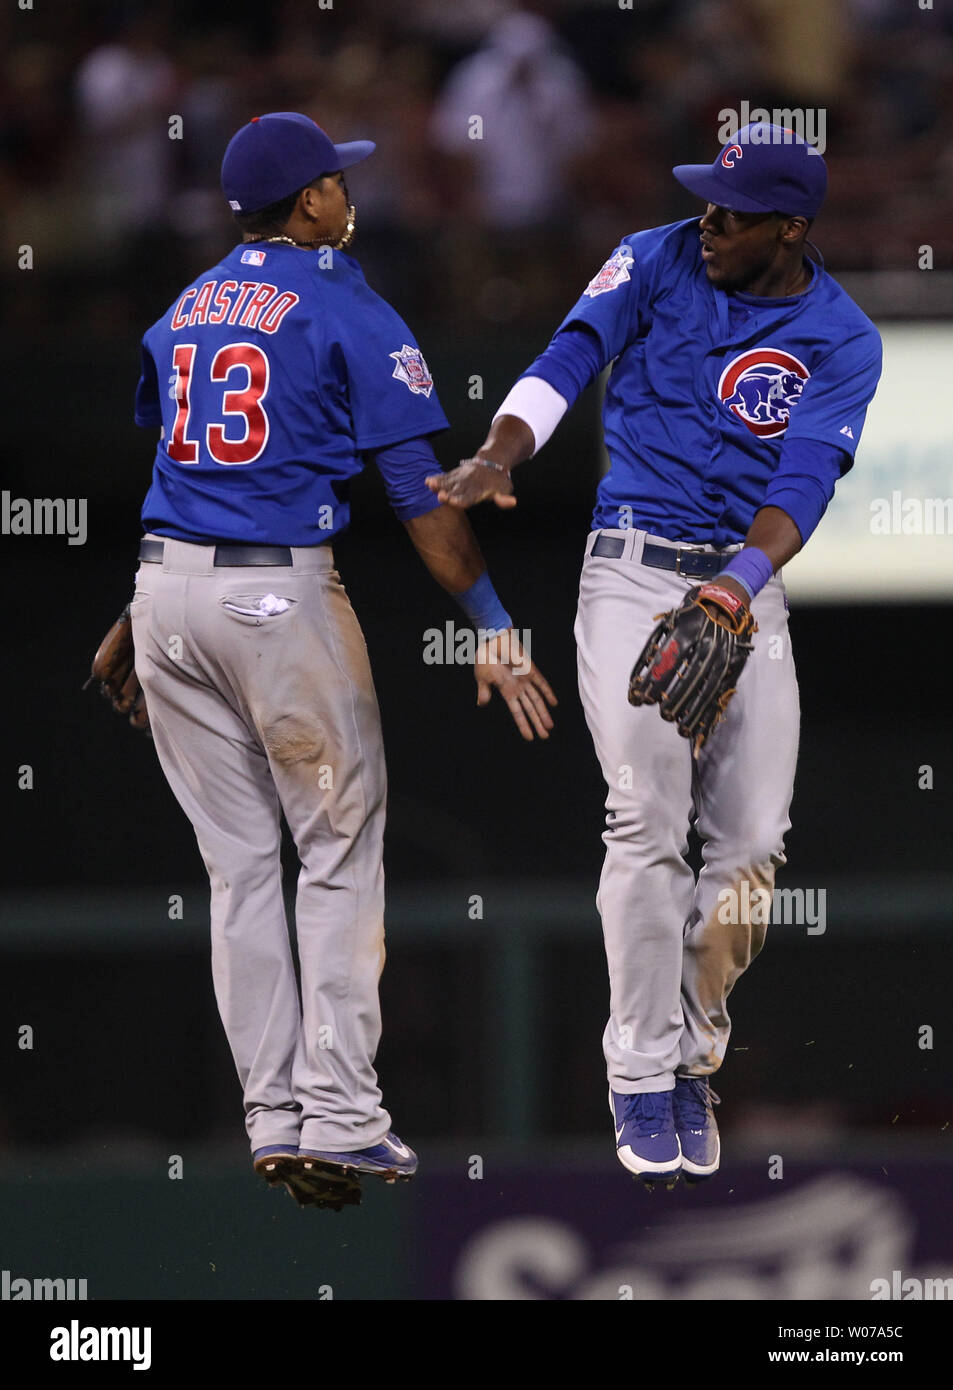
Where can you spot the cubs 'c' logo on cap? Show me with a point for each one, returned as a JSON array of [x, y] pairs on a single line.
[[760, 387], [731, 154], [614, 273], [412, 370]]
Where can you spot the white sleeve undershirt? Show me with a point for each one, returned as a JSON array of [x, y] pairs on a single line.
[[538, 405]]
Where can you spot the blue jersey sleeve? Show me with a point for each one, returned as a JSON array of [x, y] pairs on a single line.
[[804, 482], [404, 467], [573, 359], [148, 411], [610, 304], [390, 389], [616, 303], [832, 407]]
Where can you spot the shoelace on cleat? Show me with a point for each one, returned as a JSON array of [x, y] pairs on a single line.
[[694, 1105], [647, 1111]]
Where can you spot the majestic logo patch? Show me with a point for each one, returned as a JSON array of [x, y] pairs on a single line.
[[614, 273], [760, 387], [412, 370], [250, 257]]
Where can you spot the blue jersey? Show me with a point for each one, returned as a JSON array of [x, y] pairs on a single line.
[[269, 376], [709, 391]]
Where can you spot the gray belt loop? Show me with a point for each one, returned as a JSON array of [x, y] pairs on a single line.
[[608, 546]]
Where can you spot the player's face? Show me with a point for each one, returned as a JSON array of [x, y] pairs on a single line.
[[738, 247], [334, 202]]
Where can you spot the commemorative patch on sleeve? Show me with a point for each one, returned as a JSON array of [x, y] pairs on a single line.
[[614, 273], [412, 370]]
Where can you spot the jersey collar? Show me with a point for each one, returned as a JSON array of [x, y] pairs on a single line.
[[778, 302]]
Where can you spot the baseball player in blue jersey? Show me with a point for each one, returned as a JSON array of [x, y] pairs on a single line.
[[273, 377], [741, 376]]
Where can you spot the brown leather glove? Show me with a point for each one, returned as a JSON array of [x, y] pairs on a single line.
[[115, 670]]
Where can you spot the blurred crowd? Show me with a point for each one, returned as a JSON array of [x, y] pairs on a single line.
[[516, 144]]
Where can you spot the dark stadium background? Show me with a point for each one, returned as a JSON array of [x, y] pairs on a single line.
[[492, 1028]]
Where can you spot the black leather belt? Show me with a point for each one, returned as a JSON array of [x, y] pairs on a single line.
[[226, 555], [696, 564]]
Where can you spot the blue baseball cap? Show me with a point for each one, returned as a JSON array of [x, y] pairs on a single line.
[[765, 168], [278, 154]]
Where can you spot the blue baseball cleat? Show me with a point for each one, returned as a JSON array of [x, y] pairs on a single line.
[[391, 1160], [696, 1126], [645, 1137]]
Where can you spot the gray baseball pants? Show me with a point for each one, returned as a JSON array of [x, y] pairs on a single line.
[[673, 951], [261, 701]]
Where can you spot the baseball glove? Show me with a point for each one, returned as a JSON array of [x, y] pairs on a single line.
[[115, 671], [692, 662]]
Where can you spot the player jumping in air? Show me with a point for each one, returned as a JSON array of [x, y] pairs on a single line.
[[741, 376], [273, 377]]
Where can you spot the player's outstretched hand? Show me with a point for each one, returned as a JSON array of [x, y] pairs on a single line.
[[471, 482], [502, 663]]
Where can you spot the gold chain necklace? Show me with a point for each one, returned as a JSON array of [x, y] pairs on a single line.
[[339, 245]]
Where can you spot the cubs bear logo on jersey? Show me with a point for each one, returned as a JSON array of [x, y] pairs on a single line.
[[761, 386], [613, 274], [412, 370]]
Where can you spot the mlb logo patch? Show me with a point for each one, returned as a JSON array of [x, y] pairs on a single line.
[[412, 370], [251, 257], [614, 273]]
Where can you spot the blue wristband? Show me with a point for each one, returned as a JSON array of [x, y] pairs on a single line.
[[752, 569], [482, 607]]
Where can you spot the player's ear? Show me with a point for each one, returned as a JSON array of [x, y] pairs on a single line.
[[793, 228], [309, 200]]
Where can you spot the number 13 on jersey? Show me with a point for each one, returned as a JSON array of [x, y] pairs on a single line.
[[243, 401]]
